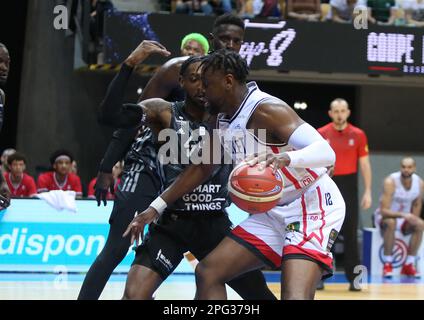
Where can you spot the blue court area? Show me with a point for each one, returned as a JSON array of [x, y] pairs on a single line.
[[181, 286]]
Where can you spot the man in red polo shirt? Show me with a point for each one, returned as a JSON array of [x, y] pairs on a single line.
[[351, 147], [20, 184], [61, 178]]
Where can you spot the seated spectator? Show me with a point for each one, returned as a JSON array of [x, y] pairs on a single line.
[[218, 7], [309, 10], [194, 44], [61, 177], [207, 7], [270, 8], [6, 153], [342, 11], [414, 12], [249, 8], [117, 173], [384, 12], [20, 184]]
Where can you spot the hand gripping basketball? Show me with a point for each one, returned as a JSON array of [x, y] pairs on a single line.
[[255, 189]]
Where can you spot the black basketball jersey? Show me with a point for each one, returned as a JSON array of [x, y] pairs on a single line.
[[213, 194], [143, 149]]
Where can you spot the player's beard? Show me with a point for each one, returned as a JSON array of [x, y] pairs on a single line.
[[211, 109], [406, 176]]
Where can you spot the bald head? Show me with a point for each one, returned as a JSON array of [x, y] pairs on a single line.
[[339, 102], [407, 167], [4, 64]]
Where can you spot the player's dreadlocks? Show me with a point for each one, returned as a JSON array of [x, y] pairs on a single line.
[[188, 62], [227, 61]]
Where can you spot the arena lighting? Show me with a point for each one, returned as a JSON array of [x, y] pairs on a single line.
[[139, 91], [300, 105]]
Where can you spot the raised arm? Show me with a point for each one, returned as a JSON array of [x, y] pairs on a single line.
[[112, 110]]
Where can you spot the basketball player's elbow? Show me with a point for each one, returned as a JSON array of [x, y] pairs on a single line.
[[331, 155]]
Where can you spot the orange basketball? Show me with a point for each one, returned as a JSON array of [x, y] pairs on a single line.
[[254, 190]]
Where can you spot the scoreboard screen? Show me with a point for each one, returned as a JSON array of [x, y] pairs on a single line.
[[284, 46]]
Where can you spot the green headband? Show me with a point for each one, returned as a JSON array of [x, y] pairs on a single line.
[[198, 38]]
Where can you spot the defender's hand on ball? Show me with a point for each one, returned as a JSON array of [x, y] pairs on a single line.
[[276, 161], [136, 227]]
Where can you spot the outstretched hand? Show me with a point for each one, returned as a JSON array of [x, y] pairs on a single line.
[[136, 227]]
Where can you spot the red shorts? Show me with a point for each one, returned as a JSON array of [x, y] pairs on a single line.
[[303, 229]]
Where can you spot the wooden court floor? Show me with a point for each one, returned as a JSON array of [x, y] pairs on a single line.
[[183, 288]]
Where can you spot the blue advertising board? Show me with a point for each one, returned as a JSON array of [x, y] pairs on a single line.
[[34, 237]]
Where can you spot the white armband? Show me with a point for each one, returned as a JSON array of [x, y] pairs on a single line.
[[159, 205], [311, 150]]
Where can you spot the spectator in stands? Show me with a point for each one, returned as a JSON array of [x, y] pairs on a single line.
[[218, 7], [207, 7], [414, 12], [6, 153], [270, 8], [309, 10], [194, 44], [386, 12], [342, 11], [249, 8], [61, 177], [20, 184], [117, 173]]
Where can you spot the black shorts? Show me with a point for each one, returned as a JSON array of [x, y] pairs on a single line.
[[174, 234], [137, 189]]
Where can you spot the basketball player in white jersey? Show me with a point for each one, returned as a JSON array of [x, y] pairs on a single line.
[[298, 234], [400, 209]]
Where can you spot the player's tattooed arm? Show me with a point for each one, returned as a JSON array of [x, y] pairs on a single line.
[[157, 114]]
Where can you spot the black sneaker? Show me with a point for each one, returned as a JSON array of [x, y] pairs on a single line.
[[320, 285]]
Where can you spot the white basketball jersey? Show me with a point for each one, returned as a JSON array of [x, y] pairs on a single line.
[[241, 142], [402, 199]]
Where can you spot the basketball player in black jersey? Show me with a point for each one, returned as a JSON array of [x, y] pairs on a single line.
[[227, 32], [4, 73], [197, 222]]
